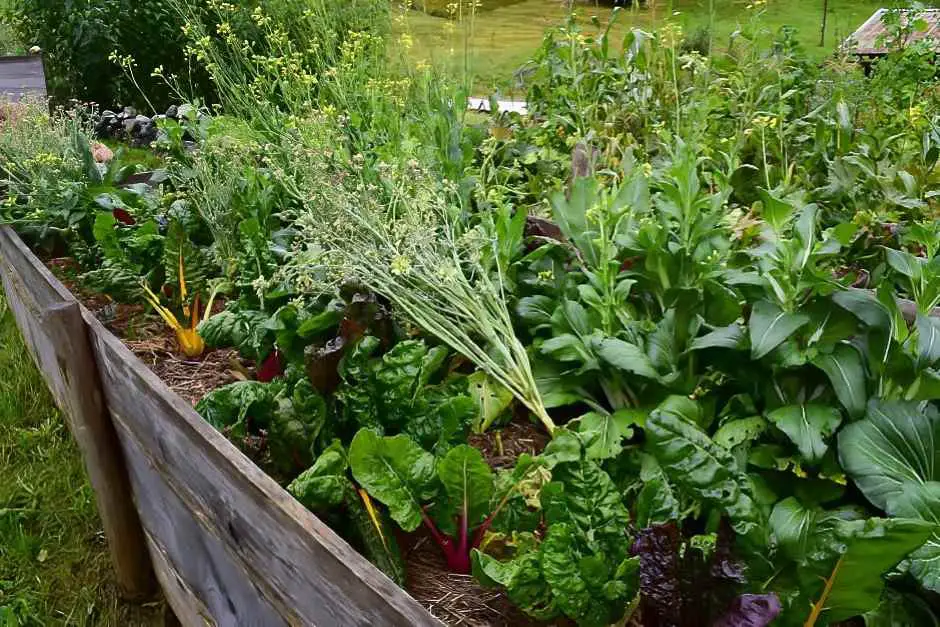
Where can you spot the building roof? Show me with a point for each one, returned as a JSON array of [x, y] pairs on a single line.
[[867, 40]]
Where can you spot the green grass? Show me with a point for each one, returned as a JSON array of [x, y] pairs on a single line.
[[499, 41], [54, 563]]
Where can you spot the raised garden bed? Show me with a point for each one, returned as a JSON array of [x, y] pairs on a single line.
[[228, 545]]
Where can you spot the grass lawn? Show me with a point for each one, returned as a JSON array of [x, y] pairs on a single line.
[[497, 42], [54, 564]]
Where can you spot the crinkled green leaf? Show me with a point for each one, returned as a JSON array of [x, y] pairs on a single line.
[[229, 405], [395, 471], [585, 586], [703, 468], [583, 495], [325, 484], [656, 503], [243, 330], [523, 580]]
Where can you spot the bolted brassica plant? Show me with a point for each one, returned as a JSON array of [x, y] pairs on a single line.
[[402, 236]]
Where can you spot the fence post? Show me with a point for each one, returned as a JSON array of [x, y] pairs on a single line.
[[91, 426]]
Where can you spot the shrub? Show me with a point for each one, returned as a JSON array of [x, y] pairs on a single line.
[[78, 38]]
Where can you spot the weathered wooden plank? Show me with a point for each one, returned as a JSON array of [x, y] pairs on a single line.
[[205, 581], [308, 574], [179, 597], [83, 402], [21, 76]]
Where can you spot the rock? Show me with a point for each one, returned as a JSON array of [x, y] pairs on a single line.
[[172, 112]]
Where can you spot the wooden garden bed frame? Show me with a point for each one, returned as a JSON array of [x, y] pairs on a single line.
[[227, 544]]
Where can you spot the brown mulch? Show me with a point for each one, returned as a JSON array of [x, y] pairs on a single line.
[[502, 447], [457, 600], [190, 378], [153, 342]]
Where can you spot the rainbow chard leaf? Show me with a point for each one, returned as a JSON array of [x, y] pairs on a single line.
[[468, 484], [397, 472], [700, 466], [859, 554]]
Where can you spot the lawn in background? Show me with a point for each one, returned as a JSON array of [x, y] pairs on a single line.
[[497, 42], [54, 564]]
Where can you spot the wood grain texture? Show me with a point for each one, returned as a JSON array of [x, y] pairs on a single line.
[[22, 76], [206, 580], [306, 572], [230, 546], [82, 401]]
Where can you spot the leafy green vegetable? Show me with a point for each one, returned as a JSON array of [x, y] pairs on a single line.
[[921, 502], [396, 471], [468, 486], [243, 330], [324, 484], [605, 433], [863, 551], [701, 467], [769, 326], [808, 426], [582, 568], [230, 405], [846, 371], [892, 445], [492, 400], [393, 394]]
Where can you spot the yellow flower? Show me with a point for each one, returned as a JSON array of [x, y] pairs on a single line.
[[400, 265]]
